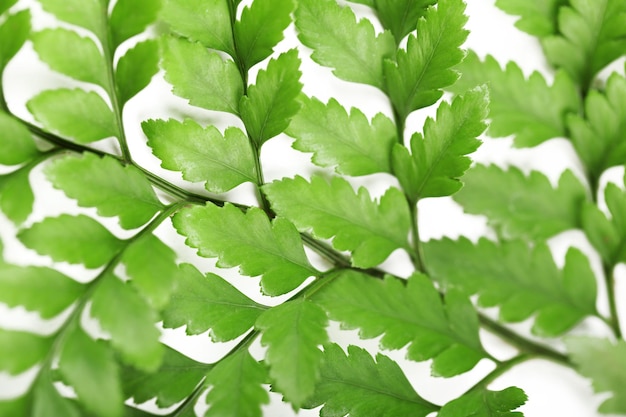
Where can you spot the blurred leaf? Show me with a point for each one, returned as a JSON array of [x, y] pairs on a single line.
[[485, 403], [136, 68], [131, 17], [14, 32]]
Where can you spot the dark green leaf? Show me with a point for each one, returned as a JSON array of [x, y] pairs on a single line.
[[102, 182], [354, 384], [521, 280], [520, 205], [17, 143], [20, 351], [249, 240], [438, 159], [222, 162], [370, 229], [401, 17], [201, 76], [347, 141], [210, 303], [537, 17], [77, 114], [18, 407], [292, 332], [48, 402], [88, 14], [6, 5], [485, 403], [84, 240], [260, 28], [131, 17], [415, 79], [412, 314], [13, 33], [136, 68], [16, 195], [338, 41]]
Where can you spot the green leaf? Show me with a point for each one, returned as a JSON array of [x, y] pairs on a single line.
[[207, 22], [292, 332], [486, 403], [131, 323], [20, 351], [16, 195], [103, 183], [354, 384], [527, 108], [537, 17], [14, 32], [89, 367], [370, 229], [438, 159], [177, 367], [18, 407], [208, 302], [136, 68], [347, 141], [31, 286], [77, 114], [249, 240], [412, 314], [523, 206], [338, 41], [415, 79], [523, 281], [48, 402], [222, 162], [401, 17], [272, 101], [237, 389], [592, 35], [6, 5], [260, 28], [17, 143], [84, 240], [88, 14], [67, 52], [598, 137], [131, 17], [604, 362], [151, 266], [201, 76]]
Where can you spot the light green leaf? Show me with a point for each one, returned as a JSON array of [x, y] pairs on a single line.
[[209, 303], [414, 80], [6, 5], [18, 407], [598, 137], [17, 143], [438, 159], [272, 101], [401, 17], [523, 281], [88, 14], [201, 76], [14, 32], [151, 266], [592, 35], [249, 240], [338, 41], [102, 182], [20, 351], [84, 240], [237, 389], [222, 162], [347, 141], [354, 384], [89, 367], [260, 28], [130, 321], [486, 403], [523, 206], [177, 367], [31, 286], [604, 362], [136, 68], [370, 229], [292, 333], [77, 114], [412, 314], [48, 402], [67, 52], [527, 108], [207, 22], [131, 17], [16, 195], [537, 17]]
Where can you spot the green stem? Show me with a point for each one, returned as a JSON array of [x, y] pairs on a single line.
[[613, 320], [418, 252], [3, 102], [501, 369]]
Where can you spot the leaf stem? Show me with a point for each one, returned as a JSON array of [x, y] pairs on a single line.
[[501, 368], [613, 320], [418, 252]]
